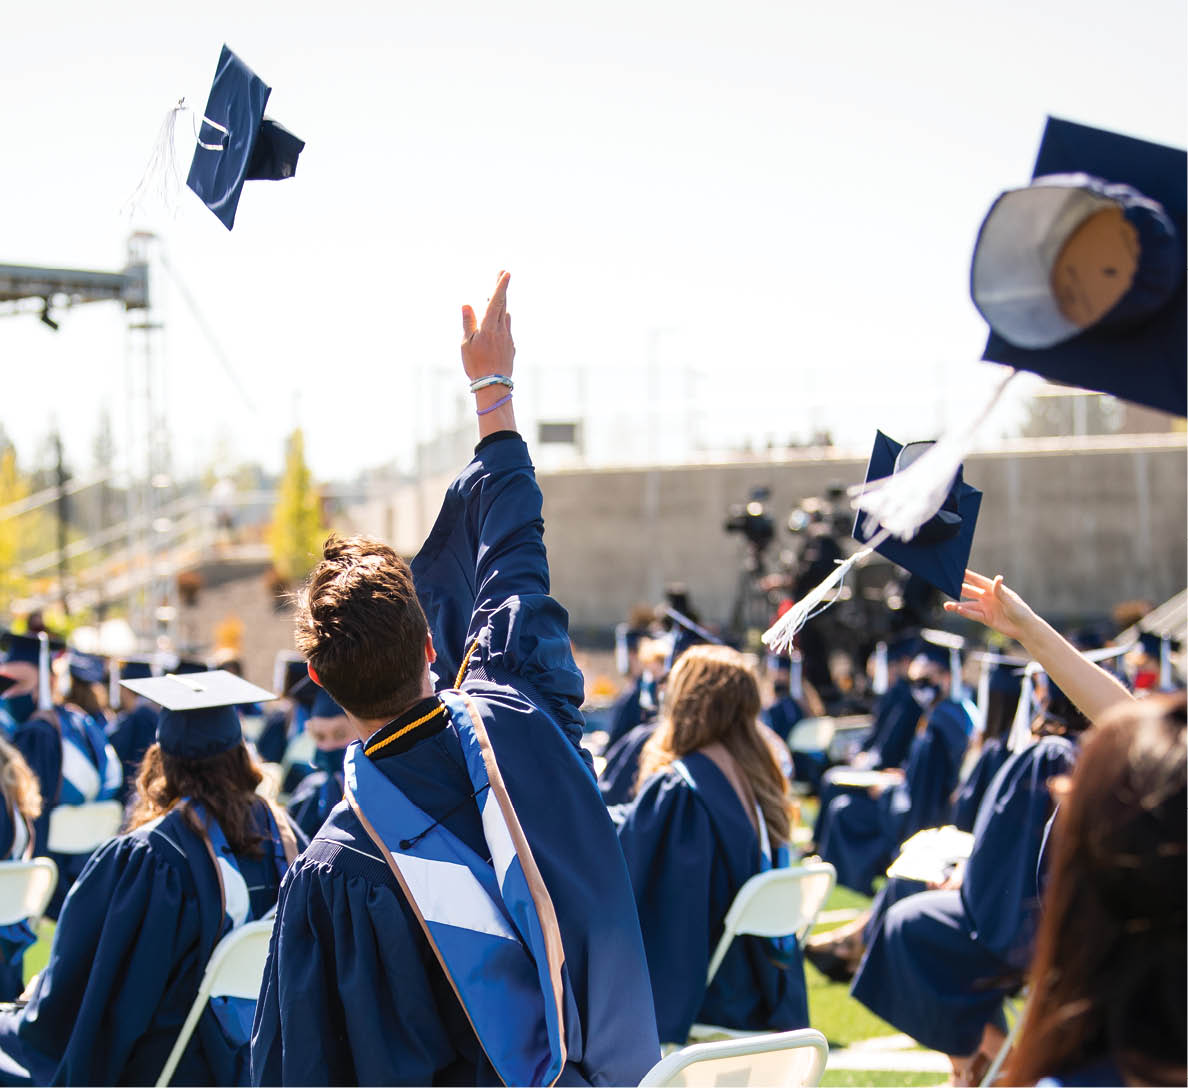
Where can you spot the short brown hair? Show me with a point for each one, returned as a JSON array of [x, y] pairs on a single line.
[[361, 627]]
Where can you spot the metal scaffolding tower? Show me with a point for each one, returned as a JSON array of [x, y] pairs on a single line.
[[151, 587]]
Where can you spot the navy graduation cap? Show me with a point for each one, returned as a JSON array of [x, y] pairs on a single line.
[[324, 706], [236, 143], [87, 668], [27, 648], [198, 717], [1080, 275], [939, 552]]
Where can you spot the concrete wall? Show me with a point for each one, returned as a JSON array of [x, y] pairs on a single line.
[[1076, 525]]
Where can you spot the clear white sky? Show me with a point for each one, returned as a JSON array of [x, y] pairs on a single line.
[[782, 195]]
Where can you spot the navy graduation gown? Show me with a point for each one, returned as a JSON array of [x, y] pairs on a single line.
[[313, 800], [129, 951], [941, 963], [352, 992], [782, 716], [617, 781], [40, 742], [969, 794], [890, 737], [862, 833], [131, 735], [689, 848], [14, 939], [274, 736], [626, 713]]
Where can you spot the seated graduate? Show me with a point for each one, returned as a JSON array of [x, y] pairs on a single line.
[[65, 748], [319, 792], [864, 830], [134, 728], [886, 745], [20, 805], [785, 710], [287, 717], [1004, 685], [1107, 1003], [636, 704], [940, 961], [465, 915], [204, 854], [713, 810]]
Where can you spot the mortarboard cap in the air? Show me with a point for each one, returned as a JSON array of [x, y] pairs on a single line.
[[198, 716], [939, 552], [236, 143], [1080, 275]]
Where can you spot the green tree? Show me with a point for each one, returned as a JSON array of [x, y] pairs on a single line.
[[13, 488], [297, 530]]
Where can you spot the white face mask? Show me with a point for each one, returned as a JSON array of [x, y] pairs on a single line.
[[925, 694]]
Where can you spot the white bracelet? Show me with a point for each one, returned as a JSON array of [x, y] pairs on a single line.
[[491, 379]]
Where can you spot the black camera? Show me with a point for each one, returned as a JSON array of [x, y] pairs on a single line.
[[751, 520]]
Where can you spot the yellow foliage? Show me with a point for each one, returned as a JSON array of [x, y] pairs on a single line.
[[297, 530]]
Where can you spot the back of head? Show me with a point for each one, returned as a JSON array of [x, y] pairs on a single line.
[[361, 627], [1108, 976], [712, 697]]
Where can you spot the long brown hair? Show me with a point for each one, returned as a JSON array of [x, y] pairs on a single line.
[[711, 695], [224, 785], [1107, 981], [18, 782]]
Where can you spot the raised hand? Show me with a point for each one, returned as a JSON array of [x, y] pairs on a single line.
[[488, 348], [990, 602]]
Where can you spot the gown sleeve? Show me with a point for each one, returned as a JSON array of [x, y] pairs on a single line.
[[668, 842], [340, 945], [483, 577], [125, 930]]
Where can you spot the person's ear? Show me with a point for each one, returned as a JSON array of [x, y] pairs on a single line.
[[430, 649]]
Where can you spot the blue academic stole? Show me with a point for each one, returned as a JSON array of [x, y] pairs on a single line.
[[90, 770], [491, 924], [235, 1014]]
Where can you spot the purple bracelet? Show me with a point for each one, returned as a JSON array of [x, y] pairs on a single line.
[[498, 404]]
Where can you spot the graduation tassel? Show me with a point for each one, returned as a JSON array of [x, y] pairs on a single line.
[[45, 696], [956, 683], [902, 503], [113, 686], [161, 178], [1020, 734], [1165, 669], [778, 637], [984, 694], [879, 683], [796, 676]]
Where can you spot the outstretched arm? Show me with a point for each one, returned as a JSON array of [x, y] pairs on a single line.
[[989, 601], [487, 350]]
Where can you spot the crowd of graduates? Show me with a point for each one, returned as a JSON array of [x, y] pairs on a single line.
[[472, 883]]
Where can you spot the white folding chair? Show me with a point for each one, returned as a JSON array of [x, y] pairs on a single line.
[[789, 1059], [771, 904], [26, 888], [79, 829], [235, 969]]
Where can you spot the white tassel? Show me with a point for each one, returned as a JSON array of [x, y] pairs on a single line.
[[903, 502], [113, 685], [161, 179], [956, 684], [796, 675], [45, 695], [1165, 665], [879, 683], [983, 695], [1020, 734], [778, 637]]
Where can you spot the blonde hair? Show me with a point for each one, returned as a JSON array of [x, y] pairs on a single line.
[[18, 782], [713, 696]]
